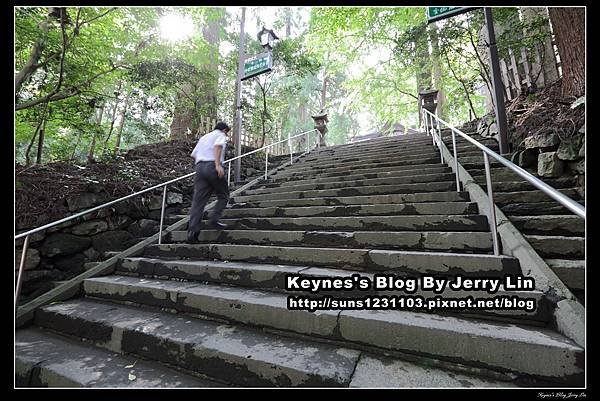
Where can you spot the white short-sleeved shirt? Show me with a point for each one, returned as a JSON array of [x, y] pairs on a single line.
[[205, 148]]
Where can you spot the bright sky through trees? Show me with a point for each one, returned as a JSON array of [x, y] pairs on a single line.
[[175, 27]]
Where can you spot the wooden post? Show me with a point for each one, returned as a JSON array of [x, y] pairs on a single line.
[[515, 70], [540, 83], [525, 63], [505, 80]]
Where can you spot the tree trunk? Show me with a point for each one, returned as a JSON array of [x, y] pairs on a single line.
[[437, 70], [549, 71], [324, 92], [37, 130], [40, 147], [568, 24], [76, 146], [113, 118], [36, 52], [90, 156], [203, 89], [422, 62]]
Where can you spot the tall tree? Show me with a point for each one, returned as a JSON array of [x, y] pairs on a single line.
[[437, 70], [569, 28], [536, 19]]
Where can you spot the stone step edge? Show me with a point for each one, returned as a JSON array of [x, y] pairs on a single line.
[[151, 371], [268, 280], [60, 318], [327, 324], [407, 262]]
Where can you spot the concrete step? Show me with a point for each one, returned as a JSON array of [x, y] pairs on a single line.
[[478, 159], [475, 242], [287, 175], [504, 198], [346, 258], [272, 278], [558, 247], [531, 351], [374, 371], [230, 353], [438, 186], [361, 154], [522, 185], [357, 177], [44, 359], [444, 208], [414, 179], [372, 157], [565, 225], [353, 167], [381, 145], [368, 223], [534, 209], [571, 272], [499, 173], [390, 178], [396, 152], [238, 202]]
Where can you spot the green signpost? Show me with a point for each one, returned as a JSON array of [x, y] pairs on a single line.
[[438, 13], [257, 65]]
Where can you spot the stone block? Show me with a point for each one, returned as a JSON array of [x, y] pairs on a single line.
[[542, 141], [174, 198], [72, 263], [32, 259], [528, 158], [577, 167], [64, 244], [90, 227], [83, 201], [549, 165], [143, 228], [569, 148], [110, 240]]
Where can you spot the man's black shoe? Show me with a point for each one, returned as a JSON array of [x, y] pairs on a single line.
[[218, 226], [192, 237]]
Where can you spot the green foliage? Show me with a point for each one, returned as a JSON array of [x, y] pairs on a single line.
[[374, 59]]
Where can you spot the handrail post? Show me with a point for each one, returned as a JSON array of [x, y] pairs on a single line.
[[162, 215], [439, 134], [290, 146], [21, 268], [455, 161], [266, 161], [488, 179], [318, 141], [228, 173], [431, 129], [307, 138]]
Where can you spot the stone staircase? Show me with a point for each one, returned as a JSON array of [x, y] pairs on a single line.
[[215, 313], [553, 231]]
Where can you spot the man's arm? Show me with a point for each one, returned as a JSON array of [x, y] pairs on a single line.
[[218, 166]]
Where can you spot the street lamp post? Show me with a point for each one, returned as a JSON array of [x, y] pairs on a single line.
[[266, 38]]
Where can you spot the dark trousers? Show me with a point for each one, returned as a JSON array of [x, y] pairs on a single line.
[[207, 182]]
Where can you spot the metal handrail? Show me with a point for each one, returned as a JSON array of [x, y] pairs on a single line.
[[547, 189], [27, 234]]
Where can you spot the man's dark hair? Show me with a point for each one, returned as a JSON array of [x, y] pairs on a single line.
[[222, 126]]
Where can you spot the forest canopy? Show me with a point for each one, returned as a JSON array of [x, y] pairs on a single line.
[[91, 82]]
